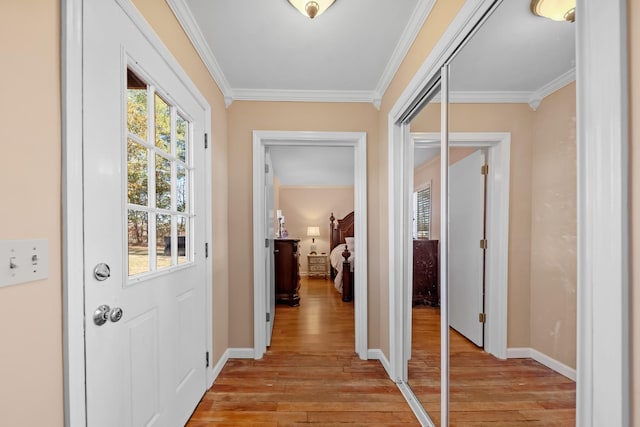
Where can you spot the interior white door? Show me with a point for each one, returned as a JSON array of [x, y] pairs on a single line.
[[466, 257], [144, 210], [269, 255]]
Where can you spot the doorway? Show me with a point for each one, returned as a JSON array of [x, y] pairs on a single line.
[[262, 140]]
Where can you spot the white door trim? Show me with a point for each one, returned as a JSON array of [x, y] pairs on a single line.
[[499, 160], [602, 110], [603, 225], [357, 140], [72, 200]]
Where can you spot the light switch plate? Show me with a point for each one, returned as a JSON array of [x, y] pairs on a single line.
[[23, 261]]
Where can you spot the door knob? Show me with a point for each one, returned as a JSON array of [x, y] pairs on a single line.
[[116, 314], [101, 315]]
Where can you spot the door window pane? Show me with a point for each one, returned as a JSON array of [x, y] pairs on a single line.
[[181, 138], [163, 182], [138, 248], [137, 118], [183, 232], [163, 241], [181, 189], [137, 173], [163, 124]]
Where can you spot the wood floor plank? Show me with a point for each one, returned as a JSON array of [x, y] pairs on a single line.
[[311, 375]]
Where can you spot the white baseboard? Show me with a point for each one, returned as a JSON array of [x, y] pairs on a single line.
[[531, 353], [377, 354], [230, 353], [240, 353]]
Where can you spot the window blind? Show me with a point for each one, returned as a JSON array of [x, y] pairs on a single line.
[[423, 213]]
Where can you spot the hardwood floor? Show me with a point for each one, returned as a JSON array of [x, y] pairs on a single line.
[[485, 390], [311, 375]]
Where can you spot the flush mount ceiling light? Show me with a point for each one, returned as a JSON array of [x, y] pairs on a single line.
[[311, 8], [558, 10]]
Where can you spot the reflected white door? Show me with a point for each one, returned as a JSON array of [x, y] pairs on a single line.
[[466, 257], [144, 216]]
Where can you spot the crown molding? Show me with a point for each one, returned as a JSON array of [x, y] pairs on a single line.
[[307, 95], [192, 30], [558, 83], [416, 21], [512, 97]]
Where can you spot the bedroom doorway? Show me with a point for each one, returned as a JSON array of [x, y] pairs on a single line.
[[263, 141]]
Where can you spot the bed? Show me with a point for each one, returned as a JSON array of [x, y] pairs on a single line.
[[342, 254]]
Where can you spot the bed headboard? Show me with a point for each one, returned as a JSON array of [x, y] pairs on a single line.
[[338, 231]]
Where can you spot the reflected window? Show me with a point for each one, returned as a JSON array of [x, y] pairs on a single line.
[[422, 213]]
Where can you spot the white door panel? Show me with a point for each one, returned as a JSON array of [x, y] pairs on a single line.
[[466, 258], [148, 369]]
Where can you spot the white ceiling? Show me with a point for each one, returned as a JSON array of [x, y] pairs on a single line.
[[313, 166], [267, 50]]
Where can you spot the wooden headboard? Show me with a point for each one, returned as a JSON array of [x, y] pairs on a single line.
[[338, 231]]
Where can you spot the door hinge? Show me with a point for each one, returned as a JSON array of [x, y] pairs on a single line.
[[266, 243], [268, 317], [484, 170], [482, 318], [266, 168], [206, 250], [206, 358], [483, 244], [206, 140]]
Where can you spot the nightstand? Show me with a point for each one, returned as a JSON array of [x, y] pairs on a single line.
[[317, 265]]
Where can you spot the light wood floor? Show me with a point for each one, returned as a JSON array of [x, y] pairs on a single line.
[[310, 375], [485, 390]]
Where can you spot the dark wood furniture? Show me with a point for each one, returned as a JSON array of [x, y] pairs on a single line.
[[426, 280], [337, 234], [287, 271]]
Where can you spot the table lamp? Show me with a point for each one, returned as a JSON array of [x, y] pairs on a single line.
[[313, 232]]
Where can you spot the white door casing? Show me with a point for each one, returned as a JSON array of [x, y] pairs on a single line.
[[149, 367], [466, 258], [261, 141]]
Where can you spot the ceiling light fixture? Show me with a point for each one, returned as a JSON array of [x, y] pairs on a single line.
[[311, 8], [558, 10]]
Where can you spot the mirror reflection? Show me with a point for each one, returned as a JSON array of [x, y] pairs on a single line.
[[515, 76]]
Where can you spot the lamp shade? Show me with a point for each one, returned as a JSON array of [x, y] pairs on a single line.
[[311, 8], [558, 10], [313, 231]]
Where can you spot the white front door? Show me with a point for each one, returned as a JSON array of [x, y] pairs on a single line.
[[466, 257], [144, 210]]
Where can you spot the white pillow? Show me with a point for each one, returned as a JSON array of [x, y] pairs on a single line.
[[351, 243]]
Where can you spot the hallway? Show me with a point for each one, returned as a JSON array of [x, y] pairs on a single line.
[[310, 374]]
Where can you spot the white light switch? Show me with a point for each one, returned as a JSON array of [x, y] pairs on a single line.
[[23, 261]]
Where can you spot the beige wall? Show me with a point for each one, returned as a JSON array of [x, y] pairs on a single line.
[[634, 168], [553, 227], [312, 206], [30, 177], [244, 118], [430, 172]]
